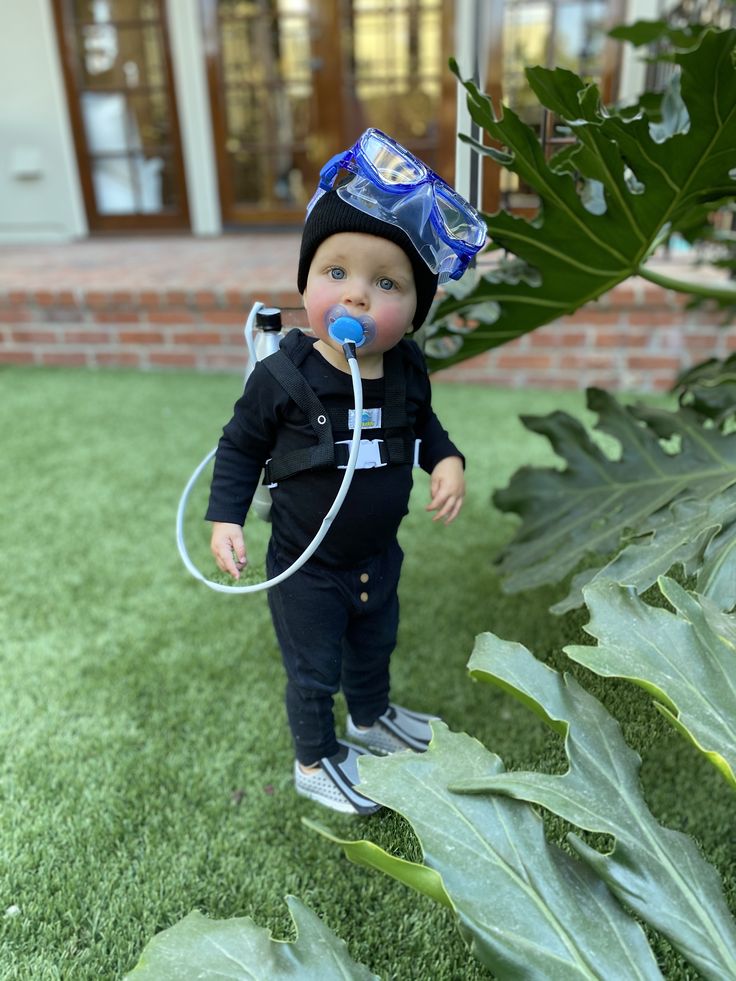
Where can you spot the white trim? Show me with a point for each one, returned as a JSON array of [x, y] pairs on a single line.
[[190, 80]]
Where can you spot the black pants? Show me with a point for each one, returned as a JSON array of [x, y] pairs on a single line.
[[336, 628]]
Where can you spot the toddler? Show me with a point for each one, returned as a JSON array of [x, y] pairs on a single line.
[[336, 618]]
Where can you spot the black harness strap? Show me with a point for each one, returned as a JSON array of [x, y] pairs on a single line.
[[395, 422], [398, 437], [287, 374]]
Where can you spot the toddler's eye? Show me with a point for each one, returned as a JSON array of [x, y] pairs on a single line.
[[337, 273], [385, 283]]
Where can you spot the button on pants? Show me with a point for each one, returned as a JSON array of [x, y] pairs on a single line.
[[336, 629]]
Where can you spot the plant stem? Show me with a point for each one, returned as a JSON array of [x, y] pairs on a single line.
[[712, 291]]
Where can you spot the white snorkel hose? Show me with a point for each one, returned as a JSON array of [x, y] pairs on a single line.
[[351, 334]]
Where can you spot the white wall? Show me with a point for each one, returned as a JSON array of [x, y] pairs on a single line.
[[40, 196]]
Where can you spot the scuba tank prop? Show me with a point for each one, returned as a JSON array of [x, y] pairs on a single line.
[[351, 334]]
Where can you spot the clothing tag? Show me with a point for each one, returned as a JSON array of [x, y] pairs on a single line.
[[371, 419]]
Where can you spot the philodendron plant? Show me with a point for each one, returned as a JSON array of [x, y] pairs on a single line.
[[606, 202], [528, 909], [666, 497]]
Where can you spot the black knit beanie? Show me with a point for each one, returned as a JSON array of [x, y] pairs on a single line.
[[331, 215]]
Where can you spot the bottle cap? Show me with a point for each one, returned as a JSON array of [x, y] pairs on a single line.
[[269, 318]]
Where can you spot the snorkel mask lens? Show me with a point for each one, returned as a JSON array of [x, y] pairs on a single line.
[[393, 185], [392, 165]]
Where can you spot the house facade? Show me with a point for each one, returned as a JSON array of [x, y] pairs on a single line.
[[210, 116]]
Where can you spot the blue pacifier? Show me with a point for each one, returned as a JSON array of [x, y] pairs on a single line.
[[343, 328]]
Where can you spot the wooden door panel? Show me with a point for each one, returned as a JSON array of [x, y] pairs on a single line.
[[117, 71]]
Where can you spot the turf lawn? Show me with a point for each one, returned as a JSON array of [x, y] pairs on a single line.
[[146, 765]]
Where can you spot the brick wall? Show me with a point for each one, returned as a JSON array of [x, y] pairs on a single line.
[[636, 338]]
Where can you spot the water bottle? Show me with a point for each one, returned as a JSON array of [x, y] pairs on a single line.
[[266, 340]]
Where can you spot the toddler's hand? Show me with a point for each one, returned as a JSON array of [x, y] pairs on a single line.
[[228, 547], [447, 487]]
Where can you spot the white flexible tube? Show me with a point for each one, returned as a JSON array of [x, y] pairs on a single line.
[[326, 521]]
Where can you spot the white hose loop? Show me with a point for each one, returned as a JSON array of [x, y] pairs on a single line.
[[326, 521], [249, 339]]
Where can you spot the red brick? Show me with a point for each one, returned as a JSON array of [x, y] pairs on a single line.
[[558, 338], [623, 294], [202, 337], [63, 315], [558, 382], [235, 298], [580, 362], [206, 298], [701, 341], [221, 362], [620, 338], [70, 358], [140, 337], [652, 318], [523, 362], [170, 317], [117, 317], [661, 383], [96, 299], [646, 362], [44, 298], [86, 337], [121, 359], [65, 298], [14, 316], [18, 296], [16, 357], [232, 317], [122, 297], [147, 298], [587, 316], [172, 359], [656, 295], [35, 336], [176, 297]]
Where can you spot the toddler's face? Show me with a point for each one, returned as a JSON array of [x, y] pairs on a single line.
[[366, 275]]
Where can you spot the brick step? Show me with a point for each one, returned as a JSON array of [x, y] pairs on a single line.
[[637, 337]]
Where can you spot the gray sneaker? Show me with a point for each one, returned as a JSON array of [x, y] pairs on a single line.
[[398, 728], [333, 784]]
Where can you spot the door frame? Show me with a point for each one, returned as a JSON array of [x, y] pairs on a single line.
[[119, 223]]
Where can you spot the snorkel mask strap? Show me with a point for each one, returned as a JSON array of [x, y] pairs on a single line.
[[331, 169]]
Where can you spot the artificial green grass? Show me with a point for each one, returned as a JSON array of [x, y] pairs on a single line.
[[146, 764]]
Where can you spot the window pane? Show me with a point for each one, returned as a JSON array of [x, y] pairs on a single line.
[[121, 57]]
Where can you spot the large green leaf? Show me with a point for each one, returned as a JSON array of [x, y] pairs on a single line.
[[641, 188], [656, 872], [662, 503], [199, 949], [686, 659], [528, 909]]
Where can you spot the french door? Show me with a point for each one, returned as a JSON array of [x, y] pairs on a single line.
[[293, 82], [117, 70]]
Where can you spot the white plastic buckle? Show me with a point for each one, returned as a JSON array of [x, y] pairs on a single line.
[[369, 454]]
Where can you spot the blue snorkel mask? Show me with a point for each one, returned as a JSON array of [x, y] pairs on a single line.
[[391, 184]]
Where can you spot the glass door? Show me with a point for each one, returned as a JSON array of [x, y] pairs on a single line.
[[569, 34], [294, 81], [117, 68]]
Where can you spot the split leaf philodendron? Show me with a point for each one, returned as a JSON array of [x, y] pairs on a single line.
[[604, 203], [198, 947], [657, 504], [527, 909], [685, 659], [656, 872]]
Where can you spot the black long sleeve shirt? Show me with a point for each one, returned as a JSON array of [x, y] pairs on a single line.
[[266, 423]]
